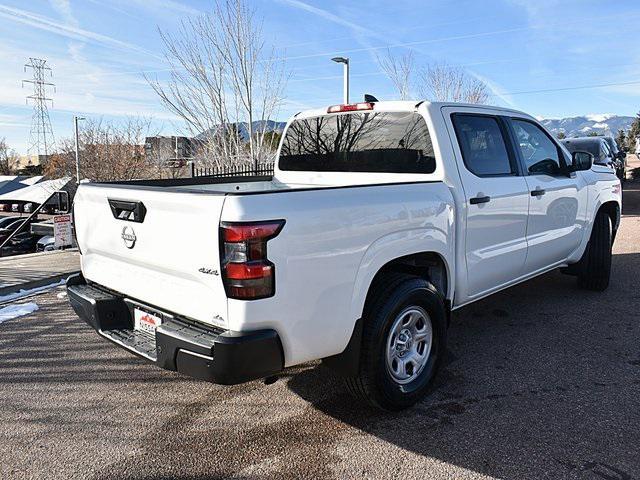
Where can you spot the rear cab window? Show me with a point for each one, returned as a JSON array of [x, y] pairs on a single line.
[[376, 142], [482, 141]]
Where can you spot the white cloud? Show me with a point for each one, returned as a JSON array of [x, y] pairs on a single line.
[[14, 121], [599, 117], [162, 6], [538, 10], [497, 90], [154, 7], [361, 33], [82, 88], [68, 31], [63, 7], [325, 14]]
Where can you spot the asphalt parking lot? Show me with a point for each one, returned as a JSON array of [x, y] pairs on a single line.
[[542, 381]]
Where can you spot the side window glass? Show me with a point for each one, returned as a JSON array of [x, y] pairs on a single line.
[[482, 145], [540, 154]]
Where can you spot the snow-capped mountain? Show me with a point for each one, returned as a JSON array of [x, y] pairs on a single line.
[[606, 124]]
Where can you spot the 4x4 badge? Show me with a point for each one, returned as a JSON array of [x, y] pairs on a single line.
[[208, 271]]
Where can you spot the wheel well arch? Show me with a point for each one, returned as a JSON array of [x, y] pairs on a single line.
[[612, 209], [428, 265]]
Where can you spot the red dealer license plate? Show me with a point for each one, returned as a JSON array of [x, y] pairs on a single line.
[[146, 322]]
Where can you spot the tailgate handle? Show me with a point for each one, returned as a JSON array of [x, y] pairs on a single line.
[[130, 210]]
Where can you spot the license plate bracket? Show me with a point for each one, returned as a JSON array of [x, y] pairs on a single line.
[[145, 320]]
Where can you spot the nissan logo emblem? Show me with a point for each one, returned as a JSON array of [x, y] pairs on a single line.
[[129, 236]]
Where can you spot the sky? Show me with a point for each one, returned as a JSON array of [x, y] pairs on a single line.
[[550, 58]]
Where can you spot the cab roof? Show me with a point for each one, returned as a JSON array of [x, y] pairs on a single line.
[[406, 106]]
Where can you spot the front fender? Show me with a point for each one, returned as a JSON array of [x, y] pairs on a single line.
[[604, 192]]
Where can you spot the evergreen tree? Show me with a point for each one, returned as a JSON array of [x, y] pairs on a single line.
[[634, 132], [621, 139], [561, 136]]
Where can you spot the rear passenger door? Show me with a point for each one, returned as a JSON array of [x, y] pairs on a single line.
[[497, 201], [558, 198]]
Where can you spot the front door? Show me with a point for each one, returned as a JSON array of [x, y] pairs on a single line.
[[497, 203], [556, 220]]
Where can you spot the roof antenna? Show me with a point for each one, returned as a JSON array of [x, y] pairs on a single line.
[[370, 98]]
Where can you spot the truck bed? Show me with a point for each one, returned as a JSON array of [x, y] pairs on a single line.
[[237, 185], [231, 184]]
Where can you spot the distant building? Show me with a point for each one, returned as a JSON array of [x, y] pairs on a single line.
[[28, 164], [174, 150]]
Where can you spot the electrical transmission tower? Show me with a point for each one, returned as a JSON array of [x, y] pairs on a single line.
[[41, 139]]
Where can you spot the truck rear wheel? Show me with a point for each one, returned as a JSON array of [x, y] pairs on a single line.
[[597, 257], [403, 343]]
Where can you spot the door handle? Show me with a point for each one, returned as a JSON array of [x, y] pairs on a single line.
[[538, 192], [477, 200]]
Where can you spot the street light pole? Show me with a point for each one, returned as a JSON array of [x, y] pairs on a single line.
[[75, 128], [345, 64]]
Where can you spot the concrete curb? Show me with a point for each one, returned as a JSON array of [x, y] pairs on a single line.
[[41, 282]]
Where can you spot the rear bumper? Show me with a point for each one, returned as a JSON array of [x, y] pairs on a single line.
[[214, 355]]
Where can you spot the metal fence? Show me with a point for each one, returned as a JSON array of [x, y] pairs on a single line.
[[262, 169]]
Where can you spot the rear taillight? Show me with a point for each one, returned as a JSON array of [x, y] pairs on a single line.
[[246, 271]]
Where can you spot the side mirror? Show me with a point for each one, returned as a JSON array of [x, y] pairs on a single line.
[[581, 161]]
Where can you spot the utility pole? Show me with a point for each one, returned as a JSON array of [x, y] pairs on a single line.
[[76, 136], [41, 139], [345, 70]]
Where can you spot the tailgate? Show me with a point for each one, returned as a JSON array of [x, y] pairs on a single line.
[[167, 257]]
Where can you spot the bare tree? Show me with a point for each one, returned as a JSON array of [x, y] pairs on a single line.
[[108, 151], [223, 83], [8, 158], [400, 71], [441, 82]]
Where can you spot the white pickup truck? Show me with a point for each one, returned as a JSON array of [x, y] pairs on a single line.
[[380, 219]]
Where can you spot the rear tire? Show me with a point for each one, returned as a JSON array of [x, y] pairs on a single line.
[[596, 271], [403, 343]]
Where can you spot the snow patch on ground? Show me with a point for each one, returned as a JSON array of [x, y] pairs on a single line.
[[15, 311], [61, 295], [22, 293]]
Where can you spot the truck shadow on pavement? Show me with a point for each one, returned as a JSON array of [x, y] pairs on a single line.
[[542, 380]]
